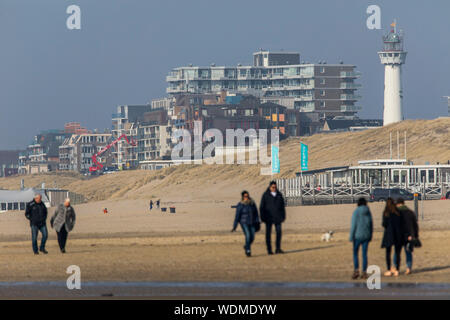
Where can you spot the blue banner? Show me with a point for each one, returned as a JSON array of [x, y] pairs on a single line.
[[303, 157], [275, 160]]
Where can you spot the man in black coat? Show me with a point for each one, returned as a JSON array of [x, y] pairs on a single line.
[[273, 212], [36, 212], [410, 230]]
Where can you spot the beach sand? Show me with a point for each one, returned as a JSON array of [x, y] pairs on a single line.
[[130, 243]]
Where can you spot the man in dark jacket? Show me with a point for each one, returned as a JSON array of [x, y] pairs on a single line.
[[36, 212], [273, 212], [410, 230]]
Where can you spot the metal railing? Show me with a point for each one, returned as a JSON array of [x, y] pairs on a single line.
[[297, 192]]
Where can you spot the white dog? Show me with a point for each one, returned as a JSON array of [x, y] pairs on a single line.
[[327, 236]]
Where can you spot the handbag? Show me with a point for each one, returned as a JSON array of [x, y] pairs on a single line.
[[416, 243]]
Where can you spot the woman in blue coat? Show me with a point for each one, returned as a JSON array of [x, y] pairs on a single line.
[[247, 217], [361, 234]]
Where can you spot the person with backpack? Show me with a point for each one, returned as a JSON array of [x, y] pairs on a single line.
[[361, 234], [247, 217]]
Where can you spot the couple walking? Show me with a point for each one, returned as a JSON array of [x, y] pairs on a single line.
[[273, 213], [400, 230], [63, 221]]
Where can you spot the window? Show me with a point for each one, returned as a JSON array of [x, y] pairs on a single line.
[[322, 104], [322, 81], [322, 70], [322, 93], [431, 176]]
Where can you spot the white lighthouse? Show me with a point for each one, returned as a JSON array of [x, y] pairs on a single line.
[[392, 57]]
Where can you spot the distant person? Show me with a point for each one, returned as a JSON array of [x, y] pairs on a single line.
[[392, 237], [151, 205], [157, 203], [411, 232], [247, 217], [63, 221], [105, 210], [361, 234], [36, 212], [273, 212]]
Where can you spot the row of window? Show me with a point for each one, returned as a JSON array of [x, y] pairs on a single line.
[[4, 206]]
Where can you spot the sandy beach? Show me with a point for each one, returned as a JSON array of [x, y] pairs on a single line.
[[130, 243]]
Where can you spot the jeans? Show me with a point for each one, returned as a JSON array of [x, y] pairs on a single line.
[[269, 234], [409, 258], [249, 232], [62, 237], [398, 250], [356, 245], [34, 235]]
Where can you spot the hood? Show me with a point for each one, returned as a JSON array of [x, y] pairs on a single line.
[[268, 190], [247, 202], [363, 210]]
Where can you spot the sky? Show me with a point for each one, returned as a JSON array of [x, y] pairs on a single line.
[[50, 75]]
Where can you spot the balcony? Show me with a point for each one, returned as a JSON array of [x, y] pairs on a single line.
[[118, 116], [350, 85], [308, 108], [173, 77], [348, 108], [350, 97], [176, 90], [350, 74]]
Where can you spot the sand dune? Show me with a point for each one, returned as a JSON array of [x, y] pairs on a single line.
[[428, 140]]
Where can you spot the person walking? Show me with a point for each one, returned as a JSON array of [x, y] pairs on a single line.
[[361, 234], [411, 232], [273, 212], [63, 221], [36, 213], [392, 237], [247, 217], [158, 203], [151, 205]]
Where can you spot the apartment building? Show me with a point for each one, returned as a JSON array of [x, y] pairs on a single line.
[[153, 141], [148, 126], [278, 77], [75, 154], [124, 122], [9, 163], [42, 154]]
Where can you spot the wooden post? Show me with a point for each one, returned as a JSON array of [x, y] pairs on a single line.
[[332, 186], [301, 187], [389, 178], [351, 187], [314, 188]]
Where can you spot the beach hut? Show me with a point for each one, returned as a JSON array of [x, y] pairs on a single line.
[[13, 200]]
